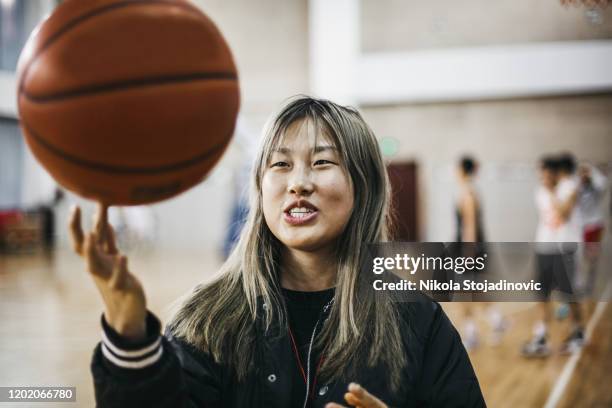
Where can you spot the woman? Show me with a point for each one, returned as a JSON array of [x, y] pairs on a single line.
[[470, 241], [468, 213], [287, 322], [468, 221]]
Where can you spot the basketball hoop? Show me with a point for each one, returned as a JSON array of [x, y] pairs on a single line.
[[587, 3], [593, 10]]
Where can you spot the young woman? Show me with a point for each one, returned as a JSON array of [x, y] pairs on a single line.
[[287, 322], [470, 240]]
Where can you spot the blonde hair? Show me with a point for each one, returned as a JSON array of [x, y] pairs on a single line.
[[219, 317]]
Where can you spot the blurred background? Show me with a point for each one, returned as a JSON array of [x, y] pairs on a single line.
[[505, 82]]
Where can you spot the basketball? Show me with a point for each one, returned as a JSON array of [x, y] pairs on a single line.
[[127, 102]]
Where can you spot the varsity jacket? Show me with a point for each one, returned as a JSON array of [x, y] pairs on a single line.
[[168, 372]]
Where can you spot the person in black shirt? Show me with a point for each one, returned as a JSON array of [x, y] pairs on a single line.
[[287, 322]]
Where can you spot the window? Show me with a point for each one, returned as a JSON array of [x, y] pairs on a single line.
[[17, 19]]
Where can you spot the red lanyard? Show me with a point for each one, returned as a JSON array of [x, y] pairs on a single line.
[[301, 367]]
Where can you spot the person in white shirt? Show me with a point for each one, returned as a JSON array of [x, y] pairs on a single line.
[[566, 192], [557, 236]]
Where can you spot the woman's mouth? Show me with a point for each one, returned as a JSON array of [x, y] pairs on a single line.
[[299, 215]]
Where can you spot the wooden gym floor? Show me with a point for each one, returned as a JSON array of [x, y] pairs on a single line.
[[49, 325]]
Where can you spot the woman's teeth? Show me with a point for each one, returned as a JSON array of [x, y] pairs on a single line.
[[300, 212]]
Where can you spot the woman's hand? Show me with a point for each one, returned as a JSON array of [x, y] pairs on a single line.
[[359, 397], [124, 299]]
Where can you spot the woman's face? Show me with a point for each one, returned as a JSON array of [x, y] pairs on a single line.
[[307, 194]]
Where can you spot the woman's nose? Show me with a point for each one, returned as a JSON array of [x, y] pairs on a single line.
[[300, 183]]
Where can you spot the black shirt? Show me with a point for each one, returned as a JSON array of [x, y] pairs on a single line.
[[304, 310]]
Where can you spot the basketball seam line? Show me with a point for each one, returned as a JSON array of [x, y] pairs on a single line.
[[83, 17], [130, 83], [123, 169]]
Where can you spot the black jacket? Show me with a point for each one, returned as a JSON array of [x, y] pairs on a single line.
[[438, 374]]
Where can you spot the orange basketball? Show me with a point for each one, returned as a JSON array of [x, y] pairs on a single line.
[[127, 102]]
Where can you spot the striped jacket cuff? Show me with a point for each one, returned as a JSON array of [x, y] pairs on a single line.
[[125, 354]]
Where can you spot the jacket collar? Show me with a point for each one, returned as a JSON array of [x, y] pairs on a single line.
[[262, 308]]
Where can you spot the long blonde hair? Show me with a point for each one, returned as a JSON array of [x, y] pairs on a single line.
[[219, 317]]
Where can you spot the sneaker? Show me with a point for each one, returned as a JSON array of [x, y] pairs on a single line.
[[573, 342], [536, 348], [499, 325], [498, 332]]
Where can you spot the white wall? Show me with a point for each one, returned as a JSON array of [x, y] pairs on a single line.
[[408, 25], [8, 90]]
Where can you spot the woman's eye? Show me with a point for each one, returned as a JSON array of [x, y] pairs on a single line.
[[279, 164], [322, 161]]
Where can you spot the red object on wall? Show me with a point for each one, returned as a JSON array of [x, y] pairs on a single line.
[[403, 178], [8, 217]]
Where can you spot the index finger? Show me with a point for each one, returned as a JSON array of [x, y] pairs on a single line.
[[101, 222], [76, 231]]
